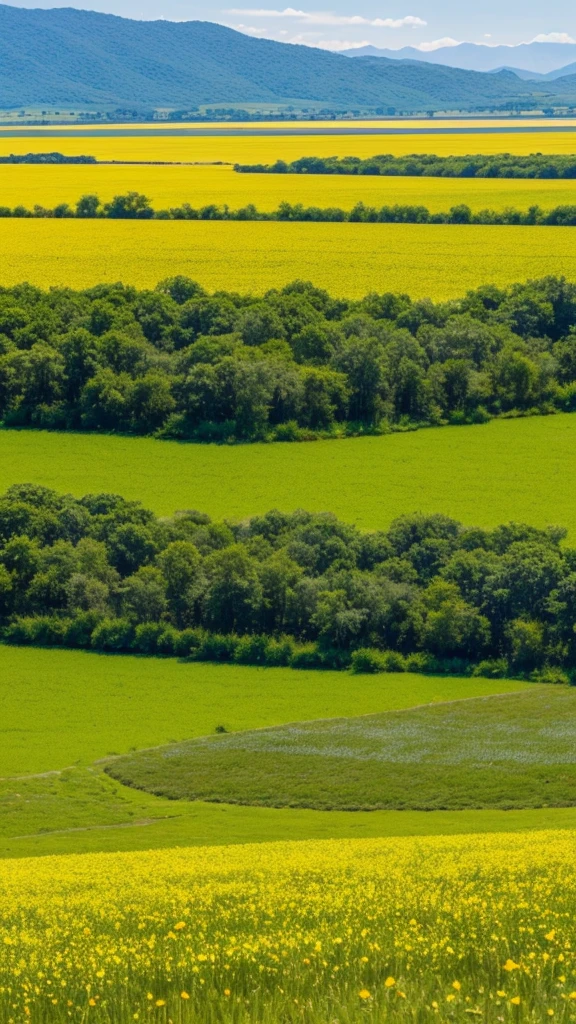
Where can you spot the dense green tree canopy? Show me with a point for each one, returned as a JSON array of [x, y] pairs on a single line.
[[290, 588], [295, 363]]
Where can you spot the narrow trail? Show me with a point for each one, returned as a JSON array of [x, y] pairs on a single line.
[[37, 775], [141, 823]]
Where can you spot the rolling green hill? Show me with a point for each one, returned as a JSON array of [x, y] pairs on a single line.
[[509, 751], [68, 56]]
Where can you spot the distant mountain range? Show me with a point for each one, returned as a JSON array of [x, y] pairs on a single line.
[[534, 76], [83, 59], [540, 58]]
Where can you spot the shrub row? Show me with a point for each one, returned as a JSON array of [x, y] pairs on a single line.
[[372, 660], [135, 206], [121, 636]]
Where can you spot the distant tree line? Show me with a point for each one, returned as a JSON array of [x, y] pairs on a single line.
[[482, 165], [46, 158], [135, 206], [296, 589], [291, 365]]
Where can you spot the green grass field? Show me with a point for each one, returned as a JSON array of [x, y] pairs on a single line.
[[522, 469], [64, 708], [511, 751], [440, 261], [62, 711]]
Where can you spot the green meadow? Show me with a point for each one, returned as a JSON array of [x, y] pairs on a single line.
[[64, 708], [515, 750], [521, 469], [516, 469]]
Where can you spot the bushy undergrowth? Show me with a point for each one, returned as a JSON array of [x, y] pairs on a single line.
[[293, 365], [297, 589]]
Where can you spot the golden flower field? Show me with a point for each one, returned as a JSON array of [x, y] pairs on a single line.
[[360, 930], [168, 186], [245, 148], [440, 261]]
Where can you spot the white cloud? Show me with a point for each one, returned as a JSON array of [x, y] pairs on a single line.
[[251, 30], [553, 37], [340, 44], [436, 44], [328, 18]]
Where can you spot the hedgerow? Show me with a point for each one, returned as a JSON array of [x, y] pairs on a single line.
[[136, 206]]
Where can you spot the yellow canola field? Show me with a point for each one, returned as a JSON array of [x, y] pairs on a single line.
[[375, 930], [243, 148], [172, 186], [441, 261]]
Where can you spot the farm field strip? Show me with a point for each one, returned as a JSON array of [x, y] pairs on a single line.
[[481, 475], [241, 148], [438, 261], [171, 186]]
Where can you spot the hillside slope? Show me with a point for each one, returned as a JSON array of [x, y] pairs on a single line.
[[65, 56]]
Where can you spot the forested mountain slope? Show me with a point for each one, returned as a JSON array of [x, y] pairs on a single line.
[[65, 56]]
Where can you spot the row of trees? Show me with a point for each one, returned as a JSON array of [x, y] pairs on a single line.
[[46, 158], [294, 364], [134, 206], [498, 165], [295, 588]]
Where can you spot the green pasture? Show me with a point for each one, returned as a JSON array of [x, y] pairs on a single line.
[[521, 469], [510, 751], [59, 709], [61, 712]]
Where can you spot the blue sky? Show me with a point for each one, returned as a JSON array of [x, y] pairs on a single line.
[[341, 23]]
